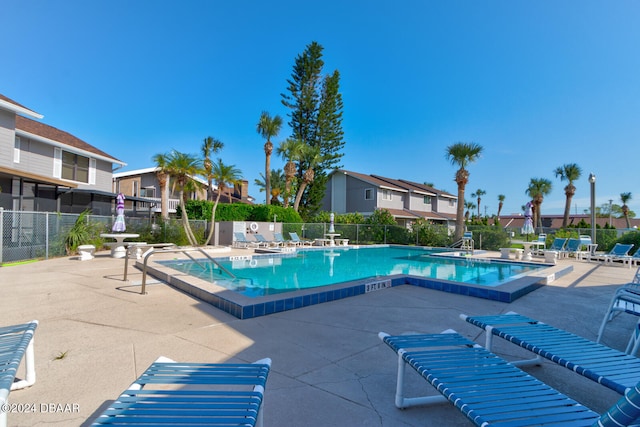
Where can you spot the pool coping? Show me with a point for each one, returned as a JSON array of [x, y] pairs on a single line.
[[245, 307]]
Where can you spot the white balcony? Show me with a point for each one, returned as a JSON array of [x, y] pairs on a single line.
[[157, 207]]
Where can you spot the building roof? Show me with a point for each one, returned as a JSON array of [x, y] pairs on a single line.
[[407, 187], [153, 170], [374, 180], [402, 185], [54, 136], [428, 188], [11, 105]]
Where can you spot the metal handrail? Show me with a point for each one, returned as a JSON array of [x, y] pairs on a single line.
[[130, 250], [150, 252]]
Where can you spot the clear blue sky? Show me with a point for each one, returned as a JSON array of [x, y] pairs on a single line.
[[538, 84]]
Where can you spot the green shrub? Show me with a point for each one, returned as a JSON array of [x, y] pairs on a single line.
[[429, 234], [83, 232], [493, 238], [201, 210]]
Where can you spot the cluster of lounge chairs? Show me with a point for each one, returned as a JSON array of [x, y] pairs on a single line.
[[582, 248], [259, 241], [488, 390]]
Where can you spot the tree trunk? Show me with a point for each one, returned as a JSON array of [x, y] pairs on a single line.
[[569, 191], [290, 173], [462, 177], [268, 149], [185, 223], [625, 212], [213, 219]]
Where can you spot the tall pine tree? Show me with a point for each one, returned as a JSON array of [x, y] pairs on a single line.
[[316, 119]]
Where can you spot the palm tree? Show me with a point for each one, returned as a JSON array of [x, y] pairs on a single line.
[[538, 188], [570, 172], [473, 196], [268, 127], [182, 167], [500, 203], [223, 175], [277, 184], [479, 194], [469, 206], [462, 154], [161, 161], [210, 146], [311, 157], [290, 150], [625, 197]]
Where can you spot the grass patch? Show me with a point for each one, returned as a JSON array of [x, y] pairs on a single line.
[[11, 264]]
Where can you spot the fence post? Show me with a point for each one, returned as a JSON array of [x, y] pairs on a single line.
[[1, 233], [46, 235]]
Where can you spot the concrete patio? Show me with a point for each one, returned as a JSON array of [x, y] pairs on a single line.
[[97, 334]]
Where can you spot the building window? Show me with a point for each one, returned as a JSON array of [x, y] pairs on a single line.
[[16, 150], [426, 200], [368, 193], [148, 192], [386, 194], [452, 203], [75, 167], [136, 186]]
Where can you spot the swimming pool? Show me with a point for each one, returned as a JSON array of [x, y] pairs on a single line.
[[260, 275], [317, 276]]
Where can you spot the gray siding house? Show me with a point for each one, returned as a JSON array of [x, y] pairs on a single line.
[[350, 192], [144, 183], [43, 168]]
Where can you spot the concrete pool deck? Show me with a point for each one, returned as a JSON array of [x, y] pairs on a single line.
[[97, 334]]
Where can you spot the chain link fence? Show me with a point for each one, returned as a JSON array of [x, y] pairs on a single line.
[[41, 235]]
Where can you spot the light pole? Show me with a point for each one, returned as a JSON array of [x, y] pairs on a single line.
[[592, 180]]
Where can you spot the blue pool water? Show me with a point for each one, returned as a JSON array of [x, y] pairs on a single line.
[[260, 275]]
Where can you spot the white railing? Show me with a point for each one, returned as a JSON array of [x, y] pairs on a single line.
[[172, 206]]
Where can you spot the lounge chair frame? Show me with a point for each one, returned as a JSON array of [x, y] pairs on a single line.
[[16, 343], [626, 299], [303, 242], [211, 394], [619, 252]]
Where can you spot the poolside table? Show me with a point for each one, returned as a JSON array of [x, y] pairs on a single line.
[[331, 237], [117, 249], [527, 250]]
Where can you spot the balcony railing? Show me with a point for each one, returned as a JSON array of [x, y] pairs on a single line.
[[172, 206]]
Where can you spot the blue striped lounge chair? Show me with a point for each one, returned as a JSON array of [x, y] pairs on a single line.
[[557, 244], [540, 243], [266, 243], [16, 344], [597, 362], [633, 260], [296, 238], [619, 252], [626, 299], [574, 248], [241, 241], [188, 394], [278, 237], [488, 390]]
